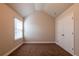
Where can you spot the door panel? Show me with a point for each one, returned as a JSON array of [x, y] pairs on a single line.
[[59, 31], [69, 33], [64, 32]]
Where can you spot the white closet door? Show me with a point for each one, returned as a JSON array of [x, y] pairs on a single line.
[[69, 33], [59, 28], [65, 32]]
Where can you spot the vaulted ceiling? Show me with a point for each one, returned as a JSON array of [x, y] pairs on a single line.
[[53, 9]]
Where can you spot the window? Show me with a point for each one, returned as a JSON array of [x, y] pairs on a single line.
[[18, 28]]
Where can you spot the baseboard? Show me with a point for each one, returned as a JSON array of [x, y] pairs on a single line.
[[8, 53], [39, 42]]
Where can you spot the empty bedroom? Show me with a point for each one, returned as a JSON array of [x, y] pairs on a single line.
[[39, 29]]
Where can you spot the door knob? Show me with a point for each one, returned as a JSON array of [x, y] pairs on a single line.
[[62, 34]]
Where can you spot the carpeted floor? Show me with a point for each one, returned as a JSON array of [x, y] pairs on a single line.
[[40, 50]]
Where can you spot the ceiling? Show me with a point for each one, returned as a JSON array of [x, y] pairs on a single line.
[[53, 9]]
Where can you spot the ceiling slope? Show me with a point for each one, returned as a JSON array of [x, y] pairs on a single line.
[[53, 9]]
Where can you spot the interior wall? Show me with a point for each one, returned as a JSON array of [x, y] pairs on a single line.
[[7, 41], [39, 28], [76, 17]]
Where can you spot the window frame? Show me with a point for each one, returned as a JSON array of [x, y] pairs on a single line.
[[17, 38]]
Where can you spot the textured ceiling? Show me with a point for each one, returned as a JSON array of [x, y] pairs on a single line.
[[53, 9]]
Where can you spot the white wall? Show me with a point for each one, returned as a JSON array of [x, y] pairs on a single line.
[[39, 27], [76, 17]]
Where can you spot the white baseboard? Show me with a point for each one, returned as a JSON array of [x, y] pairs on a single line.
[[6, 54], [39, 42]]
